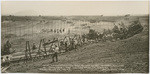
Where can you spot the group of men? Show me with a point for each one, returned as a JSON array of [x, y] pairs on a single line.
[[5, 61], [54, 30], [68, 44], [57, 30], [54, 47]]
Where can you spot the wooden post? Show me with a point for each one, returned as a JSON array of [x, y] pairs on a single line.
[[40, 45], [29, 50], [64, 38], [59, 46], [50, 48], [26, 53], [44, 47]]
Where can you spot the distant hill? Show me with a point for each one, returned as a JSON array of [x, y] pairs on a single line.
[[83, 18]]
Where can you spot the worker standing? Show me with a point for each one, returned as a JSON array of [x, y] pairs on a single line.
[[2, 62], [34, 46], [7, 47], [7, 61], [55, 55]]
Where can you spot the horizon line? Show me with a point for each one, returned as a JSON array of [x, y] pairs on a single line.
[[76, 15]]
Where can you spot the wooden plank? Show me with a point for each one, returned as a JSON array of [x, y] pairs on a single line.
[[3, 69]]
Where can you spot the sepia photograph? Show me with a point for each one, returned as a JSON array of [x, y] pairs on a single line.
[[74, 37]]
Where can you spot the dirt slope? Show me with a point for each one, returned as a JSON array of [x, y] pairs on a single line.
[[130, 55]]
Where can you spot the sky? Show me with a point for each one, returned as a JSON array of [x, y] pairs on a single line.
[[60, 8]]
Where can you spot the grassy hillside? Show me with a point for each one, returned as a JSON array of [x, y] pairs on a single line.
[[126, 56]]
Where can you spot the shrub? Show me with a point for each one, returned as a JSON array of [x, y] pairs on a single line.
[[115, 29], [92, 34]]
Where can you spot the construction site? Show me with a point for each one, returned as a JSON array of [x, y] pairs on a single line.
[[112, 43]]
